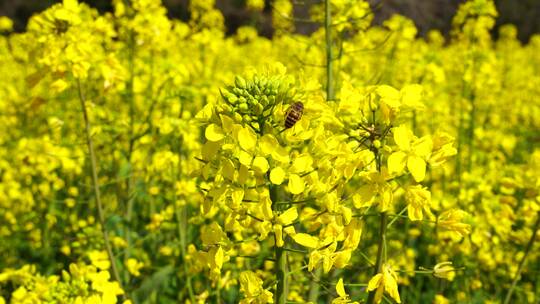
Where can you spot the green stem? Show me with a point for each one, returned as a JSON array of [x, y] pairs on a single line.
[[522, 262], [314, 287], [130, 199], [95, 181], [329, 55], [472, 119], [280, 297], [282, 284], [181, 219], [398, 216], [380, 252]]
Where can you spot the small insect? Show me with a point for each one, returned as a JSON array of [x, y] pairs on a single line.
[[293, 114]]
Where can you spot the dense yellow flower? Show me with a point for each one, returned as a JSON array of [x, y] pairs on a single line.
[[343, 297], [5, 24], [451, 220], [134, 266], [100, 259], [419, 200], [251, 287], [413, 153], [385, 281], [444, 270]]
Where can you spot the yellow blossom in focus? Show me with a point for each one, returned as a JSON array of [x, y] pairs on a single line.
[[251, 287], [385, 281]]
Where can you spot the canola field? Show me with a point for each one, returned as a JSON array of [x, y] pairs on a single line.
[[151, 160]]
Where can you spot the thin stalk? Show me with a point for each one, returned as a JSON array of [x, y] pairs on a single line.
[[181, 219], [129, 196], [380, 252], [314, 287], [282, 287], [522, 262], [282, 284], [472, 120], [95, 181], [459, 145], [329, 55], [396, 217], [381, 246]]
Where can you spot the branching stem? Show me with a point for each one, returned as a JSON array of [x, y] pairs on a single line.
[[522, 262], [95, 181]]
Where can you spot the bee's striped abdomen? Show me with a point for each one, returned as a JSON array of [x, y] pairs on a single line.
[[294, 113]]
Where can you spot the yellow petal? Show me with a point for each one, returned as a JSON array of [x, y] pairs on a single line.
[[423, 147], [289, 230], [227, 169], [296, 184], [397, 162], [340, 289], [70, 4], [417, 167], [364, 197], [374, 282], [214, 133], [245, 158], [277, 175], [218, 257], [301, 164], [403, 137], [280, 154], [341, 259], [247, 139], [227, 123], [260, 164], [237, 196], [268, 144], [306, 240], [278, 232], [209, 150], [243, 174], [415, 214], [389, 95], [288, 216], [391, 287]]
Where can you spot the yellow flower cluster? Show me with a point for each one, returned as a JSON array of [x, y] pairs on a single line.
[[150, 160]]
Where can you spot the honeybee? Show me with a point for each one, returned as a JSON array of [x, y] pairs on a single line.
[[293, 114]]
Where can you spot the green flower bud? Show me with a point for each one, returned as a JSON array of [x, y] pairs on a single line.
[[240, 82], [259, 109], [238, 91], [243, 106], [231, 98], [237, 117], [224, 92], [252, 101]]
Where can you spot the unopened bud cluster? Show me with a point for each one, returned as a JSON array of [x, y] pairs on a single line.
[[254, 100]]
